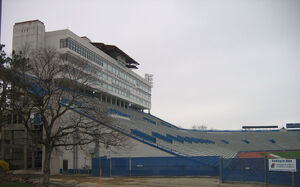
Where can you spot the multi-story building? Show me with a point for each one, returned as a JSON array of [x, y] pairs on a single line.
[[116, 82]]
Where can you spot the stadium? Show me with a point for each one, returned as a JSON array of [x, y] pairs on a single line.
[[155, 146]]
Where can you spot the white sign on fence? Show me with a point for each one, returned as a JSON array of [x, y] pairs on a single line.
[[288, 165]]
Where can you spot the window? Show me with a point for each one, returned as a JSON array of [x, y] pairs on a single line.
[[75, 46]]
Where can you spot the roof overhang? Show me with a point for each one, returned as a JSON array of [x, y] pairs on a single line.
[[115, 52]]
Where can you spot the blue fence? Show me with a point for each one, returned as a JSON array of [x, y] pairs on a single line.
[[256, 170], [157, 166], [236, 169]]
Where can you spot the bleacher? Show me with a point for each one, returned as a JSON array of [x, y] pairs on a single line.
[[165, 136]]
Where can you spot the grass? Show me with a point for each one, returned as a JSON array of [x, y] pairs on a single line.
[[264, 154], [284, 154], [288, 154]]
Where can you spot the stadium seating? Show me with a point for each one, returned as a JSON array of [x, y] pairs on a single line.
[[227, 144]]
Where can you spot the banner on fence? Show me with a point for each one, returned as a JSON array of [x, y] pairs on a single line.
[[288, 165]]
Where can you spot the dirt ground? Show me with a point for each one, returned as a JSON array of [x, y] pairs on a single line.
[[88, 181]]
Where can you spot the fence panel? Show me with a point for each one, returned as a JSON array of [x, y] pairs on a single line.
[[105, 166], [158, 166], [175, 166], [120, 167], [243, 169], [283, 178], [202, 166], [297, 177], [256, 170], [297, 174]]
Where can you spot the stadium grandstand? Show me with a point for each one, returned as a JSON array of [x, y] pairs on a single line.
[[127, 98]]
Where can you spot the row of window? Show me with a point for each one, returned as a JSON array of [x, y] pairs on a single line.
[[109, 82], [124, 93], [122, 85], [75, 46], [115, 82]]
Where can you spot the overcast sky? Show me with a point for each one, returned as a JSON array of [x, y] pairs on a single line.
[[219, 63]]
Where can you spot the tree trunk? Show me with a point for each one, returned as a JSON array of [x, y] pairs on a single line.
[[3, 103], [46, 166]]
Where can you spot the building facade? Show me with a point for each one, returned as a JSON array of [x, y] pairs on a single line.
[[115, 84], [115, 81]]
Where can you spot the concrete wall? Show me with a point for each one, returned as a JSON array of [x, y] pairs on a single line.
[[133, 148], [28, 35]]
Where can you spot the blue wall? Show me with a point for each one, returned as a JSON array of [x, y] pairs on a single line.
[[157, 166]]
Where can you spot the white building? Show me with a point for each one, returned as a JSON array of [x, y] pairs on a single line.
[[117, 83]]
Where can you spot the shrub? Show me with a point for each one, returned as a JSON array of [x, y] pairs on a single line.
[[4, 166]]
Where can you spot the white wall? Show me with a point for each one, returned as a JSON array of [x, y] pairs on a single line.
[[135, 149], [28, 35]]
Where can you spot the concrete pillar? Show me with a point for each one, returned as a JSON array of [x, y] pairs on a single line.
[[100, 97]]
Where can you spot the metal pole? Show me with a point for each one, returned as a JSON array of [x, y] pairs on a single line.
[[220, 170], [293, 179], [110, 166], [100, 169], [130, 166], [184, 165], [266, 171]]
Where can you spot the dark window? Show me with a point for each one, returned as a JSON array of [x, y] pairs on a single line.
[[65, 165]]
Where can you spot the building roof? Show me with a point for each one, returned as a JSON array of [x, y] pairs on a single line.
[[114, 52], [30, 21]]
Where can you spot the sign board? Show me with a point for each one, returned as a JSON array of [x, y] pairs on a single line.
[[288, 165]]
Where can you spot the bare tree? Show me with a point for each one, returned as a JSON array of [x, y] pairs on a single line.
[[48, 85], [199, 127], [4, 60]]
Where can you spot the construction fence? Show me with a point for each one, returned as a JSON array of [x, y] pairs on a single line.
[[256, 170], [234, 169], [157, 166]]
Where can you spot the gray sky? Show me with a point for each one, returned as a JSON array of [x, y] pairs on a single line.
[[217, 63]]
